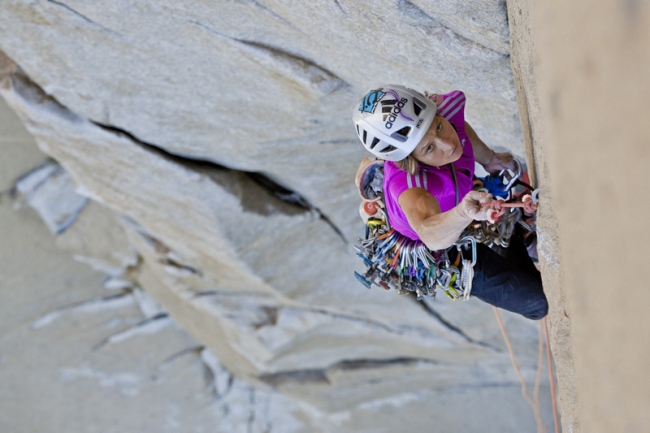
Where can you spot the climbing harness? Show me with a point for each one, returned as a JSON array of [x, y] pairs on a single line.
[[394, 261]]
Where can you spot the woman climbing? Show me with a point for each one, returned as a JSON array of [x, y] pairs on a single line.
[[429, 151]]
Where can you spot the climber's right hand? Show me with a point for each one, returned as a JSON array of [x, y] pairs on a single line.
[[472, 205]]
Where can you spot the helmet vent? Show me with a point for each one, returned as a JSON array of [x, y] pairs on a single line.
[[365, 136], [418, 106], [357, 129], [402, 134], [374, 143], [389, 149]]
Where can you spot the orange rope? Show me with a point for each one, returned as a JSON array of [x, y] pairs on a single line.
[[551, 377], [540, 362], [498, 208], [541, 428]]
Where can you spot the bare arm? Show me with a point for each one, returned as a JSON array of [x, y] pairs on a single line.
[[482, 153], [437, 229], [492, 161]]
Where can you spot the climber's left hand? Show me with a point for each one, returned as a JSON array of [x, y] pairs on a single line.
[[500, 161]]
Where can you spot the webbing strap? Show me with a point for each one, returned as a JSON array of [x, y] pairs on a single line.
[[453, 171]]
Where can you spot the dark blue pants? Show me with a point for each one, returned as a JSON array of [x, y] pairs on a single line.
[[512, 282]]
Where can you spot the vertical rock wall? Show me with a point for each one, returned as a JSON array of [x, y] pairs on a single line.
[[525, 65], [584, 69]]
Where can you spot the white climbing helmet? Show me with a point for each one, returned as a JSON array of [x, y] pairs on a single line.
[[392, 119]]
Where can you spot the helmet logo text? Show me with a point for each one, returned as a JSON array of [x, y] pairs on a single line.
[[391, 109]]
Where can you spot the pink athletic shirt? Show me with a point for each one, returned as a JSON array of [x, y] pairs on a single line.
[[439, 181]]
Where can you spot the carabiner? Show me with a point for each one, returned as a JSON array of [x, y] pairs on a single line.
[[515, 175]]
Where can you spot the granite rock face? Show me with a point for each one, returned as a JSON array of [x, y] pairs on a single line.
[[263, 86], [220, 135], [575, 82], [50, 191]]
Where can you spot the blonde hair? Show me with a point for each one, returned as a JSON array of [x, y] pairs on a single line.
[[408, 164]]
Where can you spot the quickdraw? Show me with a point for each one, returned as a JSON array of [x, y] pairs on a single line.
[[394, 261], [518, 206]]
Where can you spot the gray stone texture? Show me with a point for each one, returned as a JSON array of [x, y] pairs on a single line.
[[77, 357], [582, 71], [50, 191], [165, 112], [19, 151], [263, 86]]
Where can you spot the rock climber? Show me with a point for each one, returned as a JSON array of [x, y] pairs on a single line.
[[430, 153]]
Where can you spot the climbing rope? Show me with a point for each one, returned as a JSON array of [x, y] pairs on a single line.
[[498, 208], [538, 375], [550, 373], [534, 403]]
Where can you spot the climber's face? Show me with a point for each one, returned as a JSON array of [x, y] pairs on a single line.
[[440, 145]]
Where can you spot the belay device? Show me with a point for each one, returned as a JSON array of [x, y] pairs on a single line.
[[394, 261]]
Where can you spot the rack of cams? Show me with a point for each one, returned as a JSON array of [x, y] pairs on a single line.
[[394, 261]]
